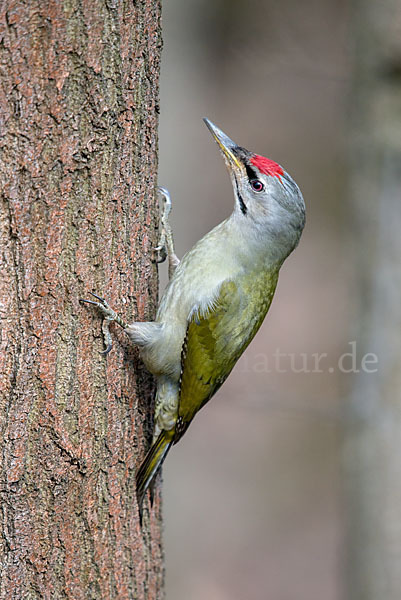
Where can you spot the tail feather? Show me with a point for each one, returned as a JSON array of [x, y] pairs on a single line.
[[151, 464]]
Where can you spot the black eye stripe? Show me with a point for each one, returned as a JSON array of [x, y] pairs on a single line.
[[252, 174]]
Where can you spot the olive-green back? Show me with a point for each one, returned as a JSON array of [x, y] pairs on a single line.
[[215, 341]]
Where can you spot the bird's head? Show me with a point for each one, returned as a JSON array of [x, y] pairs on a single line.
[[266, 196]]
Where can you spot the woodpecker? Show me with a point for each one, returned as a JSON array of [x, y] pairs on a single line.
[[216, 298]]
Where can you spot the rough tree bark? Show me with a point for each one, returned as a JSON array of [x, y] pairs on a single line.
[[373, 440], [78, 142]]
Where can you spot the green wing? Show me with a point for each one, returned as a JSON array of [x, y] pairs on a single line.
[[214, 343]]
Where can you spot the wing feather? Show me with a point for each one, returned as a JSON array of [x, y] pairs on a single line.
[[213, 344]]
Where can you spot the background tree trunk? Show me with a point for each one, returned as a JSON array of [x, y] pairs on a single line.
[[373, 440], [78, 143]]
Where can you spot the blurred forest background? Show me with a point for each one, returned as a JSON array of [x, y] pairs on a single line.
[[260, 498]]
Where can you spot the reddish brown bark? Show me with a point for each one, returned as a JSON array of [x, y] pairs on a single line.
[[78, 102]]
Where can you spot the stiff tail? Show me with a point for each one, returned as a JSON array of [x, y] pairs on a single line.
[[151, 463]]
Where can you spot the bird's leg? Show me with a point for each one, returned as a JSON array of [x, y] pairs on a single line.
[[141, 334], [109, 315], [166, 242]]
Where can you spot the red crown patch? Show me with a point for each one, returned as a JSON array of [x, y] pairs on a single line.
[[267, 166]]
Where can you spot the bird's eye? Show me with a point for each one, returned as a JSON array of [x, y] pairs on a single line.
[[257, 185]]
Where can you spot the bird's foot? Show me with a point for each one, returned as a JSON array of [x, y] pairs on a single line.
[[109, 315], [161, 250], [165, 248]]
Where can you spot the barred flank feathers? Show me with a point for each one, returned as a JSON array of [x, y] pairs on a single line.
[[152, 462]]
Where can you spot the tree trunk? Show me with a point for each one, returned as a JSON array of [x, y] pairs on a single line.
[[373, 439], [78, 146]]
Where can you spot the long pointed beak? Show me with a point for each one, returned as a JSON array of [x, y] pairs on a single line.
[[226, 145]]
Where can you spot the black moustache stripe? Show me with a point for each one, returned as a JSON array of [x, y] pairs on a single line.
[[242, 204]]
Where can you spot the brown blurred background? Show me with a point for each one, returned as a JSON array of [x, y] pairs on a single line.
[[253, 496]]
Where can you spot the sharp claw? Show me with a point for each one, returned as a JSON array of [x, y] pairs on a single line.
[[102, 300], [104, 352], [166, 195], [161, 253], [89, 301]]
